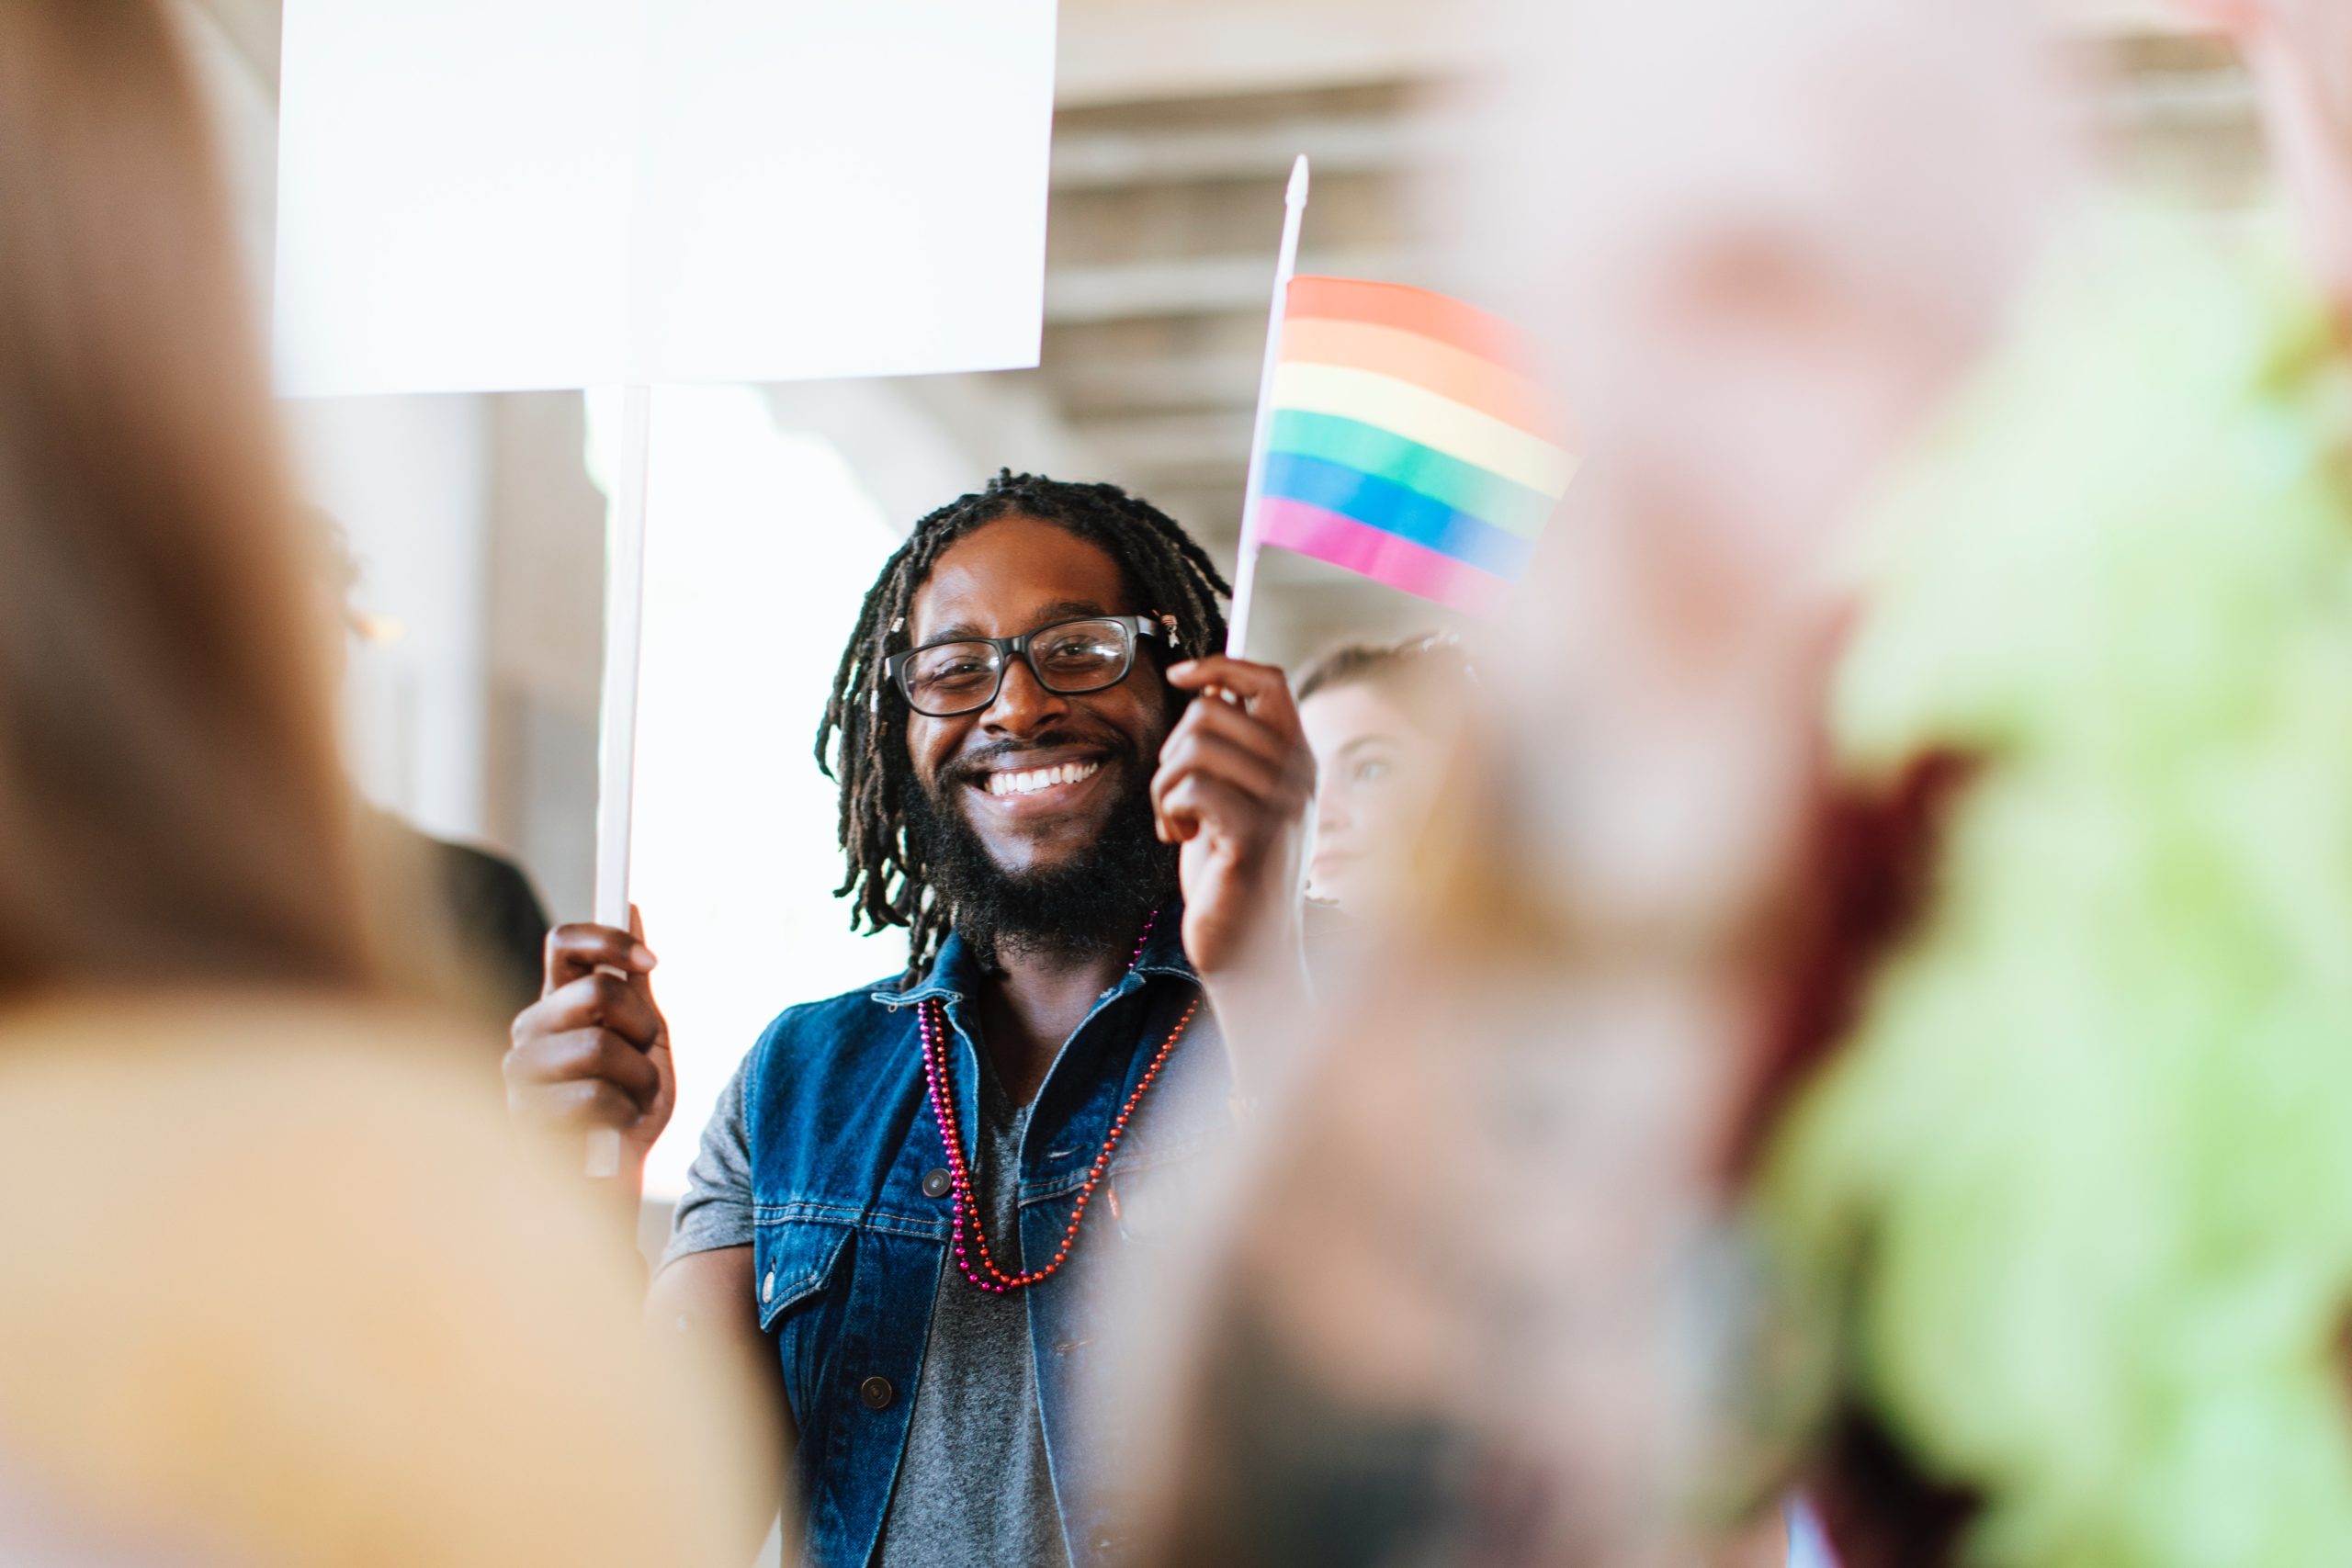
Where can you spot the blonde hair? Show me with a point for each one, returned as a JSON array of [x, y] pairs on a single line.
[[172, 808], [1431, 674]]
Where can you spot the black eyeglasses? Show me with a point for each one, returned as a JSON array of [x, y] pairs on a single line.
[[942, 679]]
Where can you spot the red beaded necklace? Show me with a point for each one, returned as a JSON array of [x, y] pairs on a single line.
[[932, 1021]]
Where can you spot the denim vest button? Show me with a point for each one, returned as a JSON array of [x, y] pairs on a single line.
[[936, 1184], [767, 1287], [877, 1393]]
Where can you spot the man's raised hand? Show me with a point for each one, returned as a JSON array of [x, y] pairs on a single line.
[[1236, 789], [593, 1051]]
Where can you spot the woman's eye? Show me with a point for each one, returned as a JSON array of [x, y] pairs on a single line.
[[1372, 770]]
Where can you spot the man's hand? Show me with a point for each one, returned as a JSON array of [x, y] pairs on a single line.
[[1236, 789], [593, 1051]]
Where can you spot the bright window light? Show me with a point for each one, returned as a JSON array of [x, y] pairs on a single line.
[[760, 547]]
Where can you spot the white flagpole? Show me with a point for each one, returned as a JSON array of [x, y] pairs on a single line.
[[1245, 576], [617, 728]]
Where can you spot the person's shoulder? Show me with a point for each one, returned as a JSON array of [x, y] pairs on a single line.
[[836, 1018], [484, 888], [842, 1032], [480, 865], [372, 1195], [181, 1083]]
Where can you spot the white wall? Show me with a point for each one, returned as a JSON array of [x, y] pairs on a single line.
[[409, 478]]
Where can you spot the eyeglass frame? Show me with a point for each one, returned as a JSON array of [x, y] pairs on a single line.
[[1012, 649]]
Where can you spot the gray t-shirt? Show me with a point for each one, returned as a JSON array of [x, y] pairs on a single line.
[[974, 1490]]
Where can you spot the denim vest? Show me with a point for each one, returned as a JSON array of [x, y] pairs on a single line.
[[850, 1249]]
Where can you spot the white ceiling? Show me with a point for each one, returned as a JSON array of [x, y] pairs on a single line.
[[1126, 50]]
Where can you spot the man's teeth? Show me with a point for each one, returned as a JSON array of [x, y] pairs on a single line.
[[1036, 779]]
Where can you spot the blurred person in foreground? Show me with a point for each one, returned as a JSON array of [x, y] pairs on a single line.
[[1488, 1298], [1382, 719], [279, 1290], [1099, 872], [34, 1534], [2069, 1184]]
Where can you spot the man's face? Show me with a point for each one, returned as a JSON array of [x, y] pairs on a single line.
[[1010, 577]]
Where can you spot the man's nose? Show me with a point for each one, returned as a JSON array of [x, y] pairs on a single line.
[[1023, 706]]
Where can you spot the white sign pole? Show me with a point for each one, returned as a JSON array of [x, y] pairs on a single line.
[[617, 728], [1245, 576]]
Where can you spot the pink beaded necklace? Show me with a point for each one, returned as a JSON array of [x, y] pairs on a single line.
[[931, 1019]]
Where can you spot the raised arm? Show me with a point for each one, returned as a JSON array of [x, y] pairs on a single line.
[[1236, 789]]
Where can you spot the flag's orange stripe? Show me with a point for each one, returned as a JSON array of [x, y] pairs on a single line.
[[1466, 327], [1444, 370]]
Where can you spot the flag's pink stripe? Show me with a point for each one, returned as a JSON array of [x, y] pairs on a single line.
[[1377, 554]]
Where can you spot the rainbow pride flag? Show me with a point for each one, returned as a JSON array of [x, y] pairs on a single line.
[[1408, 442]]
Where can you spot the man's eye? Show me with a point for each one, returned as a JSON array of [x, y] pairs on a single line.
[[1079, 645], [943, 666]]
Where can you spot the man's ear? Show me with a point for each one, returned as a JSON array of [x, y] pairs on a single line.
[[2239, 18]]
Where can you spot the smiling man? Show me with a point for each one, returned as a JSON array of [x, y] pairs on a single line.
[[910, 1204]]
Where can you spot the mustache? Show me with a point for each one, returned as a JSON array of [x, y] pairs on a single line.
[[981, 760]]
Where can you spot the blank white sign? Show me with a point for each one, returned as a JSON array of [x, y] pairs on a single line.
[[488, 195]]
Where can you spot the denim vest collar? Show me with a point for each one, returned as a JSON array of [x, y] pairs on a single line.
[[956, 975]]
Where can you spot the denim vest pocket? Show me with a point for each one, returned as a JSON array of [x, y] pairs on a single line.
[[794, 1263], [794, 1260]]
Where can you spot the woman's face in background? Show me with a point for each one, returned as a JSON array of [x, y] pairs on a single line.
[[1379, 775]]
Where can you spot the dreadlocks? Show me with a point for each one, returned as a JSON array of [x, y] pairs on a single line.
[[889, 879]]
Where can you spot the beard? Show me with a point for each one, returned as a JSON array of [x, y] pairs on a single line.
[[1091, 903]]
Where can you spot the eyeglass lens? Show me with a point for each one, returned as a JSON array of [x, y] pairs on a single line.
[[1076, 657]]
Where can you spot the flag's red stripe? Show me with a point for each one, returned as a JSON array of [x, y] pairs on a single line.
[[1466, 327]]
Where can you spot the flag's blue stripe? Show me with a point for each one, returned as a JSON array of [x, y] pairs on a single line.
[[1394, 509]]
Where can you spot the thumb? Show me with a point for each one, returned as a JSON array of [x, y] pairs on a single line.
[[642, 981]]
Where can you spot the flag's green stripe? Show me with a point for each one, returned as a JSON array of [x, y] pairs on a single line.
[[1459, 486]]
